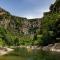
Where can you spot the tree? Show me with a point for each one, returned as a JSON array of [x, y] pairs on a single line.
[[16, 42]]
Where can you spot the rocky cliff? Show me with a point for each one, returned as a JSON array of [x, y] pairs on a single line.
[[19, 25]]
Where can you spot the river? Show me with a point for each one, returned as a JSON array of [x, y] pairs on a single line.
[[24, 54]]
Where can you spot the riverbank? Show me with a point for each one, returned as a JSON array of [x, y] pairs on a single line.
[[5, 50], [52, 47]]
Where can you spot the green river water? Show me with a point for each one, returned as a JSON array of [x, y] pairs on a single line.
[[24, 54]]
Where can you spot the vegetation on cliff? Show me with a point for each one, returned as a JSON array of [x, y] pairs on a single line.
[[16, 30]]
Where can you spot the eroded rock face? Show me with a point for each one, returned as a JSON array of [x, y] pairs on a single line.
[[18, 24], [52, 47], [57, 46]]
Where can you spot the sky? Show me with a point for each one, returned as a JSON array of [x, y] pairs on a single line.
[[26, 8]]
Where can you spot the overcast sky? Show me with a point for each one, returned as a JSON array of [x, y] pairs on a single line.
[[26, 8]]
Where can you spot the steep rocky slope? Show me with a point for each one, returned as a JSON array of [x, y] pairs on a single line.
[[17, 24]]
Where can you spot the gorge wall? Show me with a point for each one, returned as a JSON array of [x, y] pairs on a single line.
[[17, 24]]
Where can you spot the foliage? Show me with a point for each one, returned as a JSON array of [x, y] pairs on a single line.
[[16, 42], [50, 24]]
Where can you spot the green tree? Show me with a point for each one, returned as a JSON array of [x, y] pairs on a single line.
[[16, 42]]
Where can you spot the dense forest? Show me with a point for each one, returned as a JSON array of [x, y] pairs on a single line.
[[15, 31]]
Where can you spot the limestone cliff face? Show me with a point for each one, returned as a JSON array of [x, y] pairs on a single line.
[[18, 24], [4, 18]]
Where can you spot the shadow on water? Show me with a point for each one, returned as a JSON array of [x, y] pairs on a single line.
[[25, 54]]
